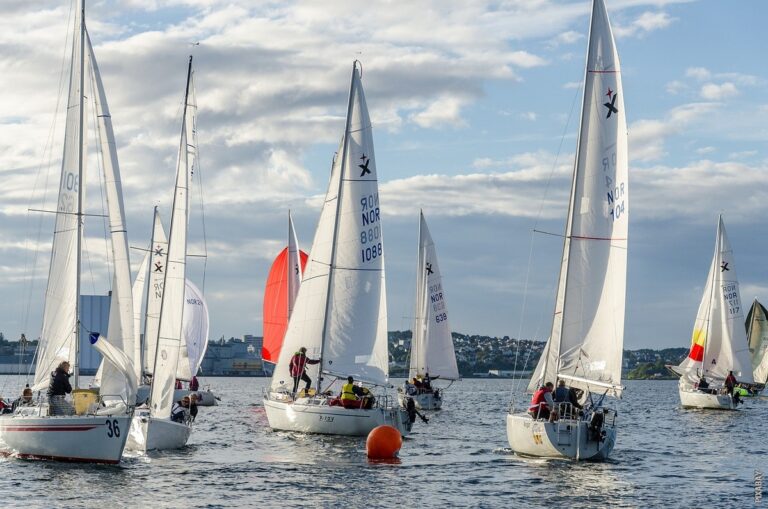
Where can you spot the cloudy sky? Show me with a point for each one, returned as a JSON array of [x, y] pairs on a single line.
[[474, 106]]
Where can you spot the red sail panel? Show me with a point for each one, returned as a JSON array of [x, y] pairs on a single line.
[[276, 306]]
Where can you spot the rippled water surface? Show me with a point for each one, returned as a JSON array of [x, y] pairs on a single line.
[[664, 457]]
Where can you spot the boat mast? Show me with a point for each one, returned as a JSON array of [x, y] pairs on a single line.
[[336, 223], [146, 295], [80, 155], [418, 325], [173, 211]]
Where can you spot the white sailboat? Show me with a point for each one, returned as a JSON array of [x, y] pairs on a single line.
[[757, 335], [719, 342], [585, 345], [340, 315], [432, 354], [152, 427], [97, 431]]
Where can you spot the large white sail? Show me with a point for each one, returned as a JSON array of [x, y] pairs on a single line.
[[432, 344], [139, 284], [340, 313], [172, 306], [58, 339], [120, 332], [588, 326], [194, 333], [719, 342], [294, 266], [156, 278], [757, 333]]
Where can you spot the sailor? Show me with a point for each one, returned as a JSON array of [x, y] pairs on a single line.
[[542, 403], [25, 399], [58, 389], [180, 410], [730, 383], [561, 393], [349, 394], [298, 368], [703, 385], [194, 385]]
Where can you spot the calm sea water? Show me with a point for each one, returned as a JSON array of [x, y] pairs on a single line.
[[665, 457]]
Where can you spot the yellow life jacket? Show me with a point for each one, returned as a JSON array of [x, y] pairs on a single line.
[[348, 391]]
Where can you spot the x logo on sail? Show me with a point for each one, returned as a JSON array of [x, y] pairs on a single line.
[[364, 166], [724, 267], [611, 105], [429, 268], [158, 267], [159, 251]]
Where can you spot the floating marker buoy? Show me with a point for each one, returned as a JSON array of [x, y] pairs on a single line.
[[383, 443]]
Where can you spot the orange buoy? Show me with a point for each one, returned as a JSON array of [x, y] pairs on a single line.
[[383, 443]]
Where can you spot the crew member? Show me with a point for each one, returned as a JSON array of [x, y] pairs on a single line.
[[542, 403], [298, 368], [349, 394]]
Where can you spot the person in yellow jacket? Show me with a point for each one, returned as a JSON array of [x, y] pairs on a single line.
[[350, 394]]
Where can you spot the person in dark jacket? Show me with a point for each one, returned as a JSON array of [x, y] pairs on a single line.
[[298, 368], [58, 389], [194, 385]]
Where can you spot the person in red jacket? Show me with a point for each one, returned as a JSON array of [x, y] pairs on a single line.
[[298, 368], [542, 403], [730, 383]]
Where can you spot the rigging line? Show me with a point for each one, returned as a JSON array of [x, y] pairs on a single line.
[[47, 148], [199, 168], [90, 266]]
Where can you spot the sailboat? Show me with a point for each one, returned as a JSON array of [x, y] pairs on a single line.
[[585, 344], [757, 335], [280, 293], [719, 341], [340, 314], [432, 353], [152, 427], [96, 429]]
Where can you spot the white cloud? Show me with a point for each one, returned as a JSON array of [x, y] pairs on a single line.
[[647, 137], [698, 73], [444, 112], [647, 22], [715, 92]]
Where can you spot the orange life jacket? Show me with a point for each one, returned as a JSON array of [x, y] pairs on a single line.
[[538, 401]]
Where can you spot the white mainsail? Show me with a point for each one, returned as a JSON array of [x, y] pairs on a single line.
[[757, 324], [587, 335], [138, 295], [340, 314], [194, 333], [172, 306], [58, 339], [120, 330], [294, 266], [432, 344], [719, 341]]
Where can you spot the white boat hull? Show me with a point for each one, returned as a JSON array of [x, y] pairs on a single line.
[[150, 434], [426, 401], [567, 438], [86, 439], [698, 399], [204, 398], [313, 416]]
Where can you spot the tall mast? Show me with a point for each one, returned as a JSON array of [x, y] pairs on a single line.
[[185, 142], [419, 326], [336, 223], [80, 185], [713, 270]]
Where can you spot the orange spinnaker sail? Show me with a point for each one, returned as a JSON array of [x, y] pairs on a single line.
[[276, 306]]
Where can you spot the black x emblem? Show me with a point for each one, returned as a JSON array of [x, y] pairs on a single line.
[[158, 267], [159, 251], [364, 166], [724, 267], [612, 105], [429, 268]]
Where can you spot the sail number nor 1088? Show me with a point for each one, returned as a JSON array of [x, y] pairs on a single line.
[[370, 235]]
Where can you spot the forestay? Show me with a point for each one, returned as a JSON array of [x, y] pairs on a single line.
[[588, 326], [719, 340], [432, 344], [757, 327], [340, 314]]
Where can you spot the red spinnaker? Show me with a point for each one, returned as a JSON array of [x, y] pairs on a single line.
[[276, 306]]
